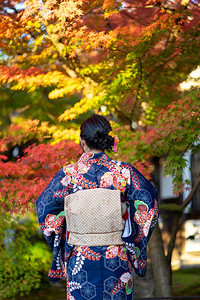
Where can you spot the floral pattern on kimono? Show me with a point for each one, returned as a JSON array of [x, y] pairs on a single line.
[[105, 270]]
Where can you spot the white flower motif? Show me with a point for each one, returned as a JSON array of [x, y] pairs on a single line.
[[126, 174], [136, 264], [113, 250], [106, 179], [146, 228], [66, 180], [83, 168], [125, 277], [47, 232]]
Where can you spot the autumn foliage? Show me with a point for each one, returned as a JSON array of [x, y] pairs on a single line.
[[23, 180], [121, 58], [119, 54]]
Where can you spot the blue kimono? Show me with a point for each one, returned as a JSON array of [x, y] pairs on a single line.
[[99, 272]]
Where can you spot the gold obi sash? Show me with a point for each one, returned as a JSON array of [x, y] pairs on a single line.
[[94, 217]]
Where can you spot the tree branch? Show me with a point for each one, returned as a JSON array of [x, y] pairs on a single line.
[[90, 10], [123, 116], [132, 18], [191, 194]]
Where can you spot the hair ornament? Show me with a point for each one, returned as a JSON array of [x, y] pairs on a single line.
[[116, 140]]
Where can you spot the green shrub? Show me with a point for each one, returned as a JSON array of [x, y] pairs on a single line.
[[24, 257]]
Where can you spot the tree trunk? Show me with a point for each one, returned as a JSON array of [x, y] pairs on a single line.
[[160, 267], [175, 228], [177, 217], [161, 264]]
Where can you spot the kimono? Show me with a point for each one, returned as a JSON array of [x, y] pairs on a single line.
[[105, 271]]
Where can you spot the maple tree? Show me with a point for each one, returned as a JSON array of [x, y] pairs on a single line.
[[125, 55], [23, 180]]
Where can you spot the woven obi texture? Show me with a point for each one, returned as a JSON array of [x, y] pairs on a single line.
[[94, 217]]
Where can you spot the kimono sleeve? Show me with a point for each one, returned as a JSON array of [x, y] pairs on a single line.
[[141, 197], [50, 210]]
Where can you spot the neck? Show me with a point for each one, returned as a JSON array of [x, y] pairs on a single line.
[[92, 150]]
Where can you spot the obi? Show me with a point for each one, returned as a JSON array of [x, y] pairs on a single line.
[[94, 217]]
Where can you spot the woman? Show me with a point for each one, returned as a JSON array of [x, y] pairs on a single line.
[[110, 209]]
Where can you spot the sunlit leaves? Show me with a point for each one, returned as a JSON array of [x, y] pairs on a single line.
[[15, 74], [51, 9], [87, 103], [130, 47]]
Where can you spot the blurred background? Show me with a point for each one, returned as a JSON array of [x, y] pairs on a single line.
[[138, 64]]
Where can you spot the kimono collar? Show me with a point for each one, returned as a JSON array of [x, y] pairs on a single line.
[[87, 156]]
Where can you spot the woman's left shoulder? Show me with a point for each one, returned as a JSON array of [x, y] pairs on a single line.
[[122, 165], [134, 175]]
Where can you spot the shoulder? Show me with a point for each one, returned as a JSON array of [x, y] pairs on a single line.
[[123, 165], [134, 176]]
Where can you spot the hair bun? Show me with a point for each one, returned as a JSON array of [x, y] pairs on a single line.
[[95, 131]]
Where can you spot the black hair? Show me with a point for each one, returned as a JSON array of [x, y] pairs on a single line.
[[94, 131]]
